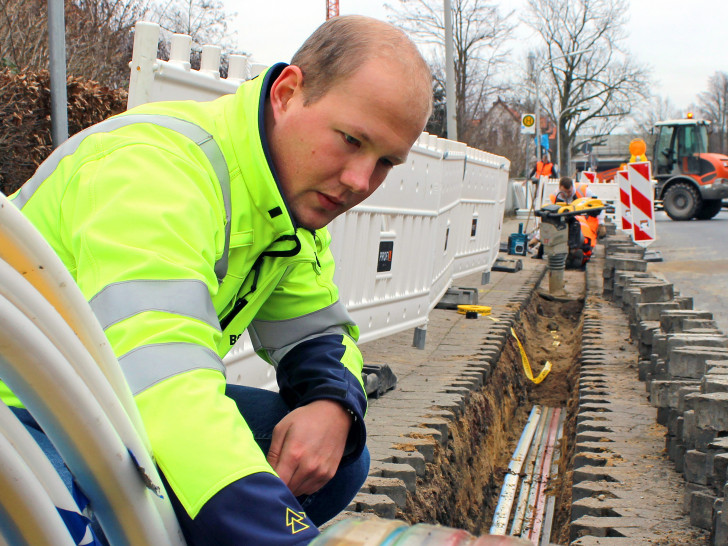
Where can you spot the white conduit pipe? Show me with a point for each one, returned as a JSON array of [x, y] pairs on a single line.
[[551, 502], [532, 496], [25, 249], [544, 478], [527, 482], [508, 491], [37, 309], [27, 515], [31, 303], [29, 451], [73, 420]]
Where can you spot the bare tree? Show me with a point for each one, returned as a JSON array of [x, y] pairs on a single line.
[[98, 37], [204, 20], [589, 82], [646, 115], [480, 33], [714, 107], [100, 33]]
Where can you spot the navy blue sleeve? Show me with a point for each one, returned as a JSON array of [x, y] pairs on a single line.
[[313, 371], [258, 509]]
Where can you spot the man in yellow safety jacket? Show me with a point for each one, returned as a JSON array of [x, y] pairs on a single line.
[[184, 223], [592, 227]]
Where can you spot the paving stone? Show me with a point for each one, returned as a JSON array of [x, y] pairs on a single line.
[[394, 488], [381, 505], [672, 321], [695, 467], [403, 472], [701, 509], [691, 361], [711, 411]]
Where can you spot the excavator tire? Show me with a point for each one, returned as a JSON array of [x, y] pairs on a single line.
[[681, 201], [708, 209]]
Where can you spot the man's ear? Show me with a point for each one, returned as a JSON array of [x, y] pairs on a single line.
[[287, 86]]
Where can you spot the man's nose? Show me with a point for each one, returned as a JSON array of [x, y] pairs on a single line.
[[357, 175]]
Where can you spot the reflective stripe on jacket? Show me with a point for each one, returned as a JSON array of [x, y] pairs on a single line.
[[173, 226]]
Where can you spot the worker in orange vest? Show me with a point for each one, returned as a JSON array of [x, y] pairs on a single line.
[[543, 168], [592, 227]]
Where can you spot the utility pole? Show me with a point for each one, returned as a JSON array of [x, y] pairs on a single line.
[[332, 9], [57, 69], [450, 101]]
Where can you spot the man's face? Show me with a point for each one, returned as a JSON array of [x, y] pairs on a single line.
[[567, 193], [333, 153]]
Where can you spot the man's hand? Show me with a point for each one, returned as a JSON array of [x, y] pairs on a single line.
[[308, 444], [601, 231]]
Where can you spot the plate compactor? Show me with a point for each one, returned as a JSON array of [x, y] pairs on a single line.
[[562, 238]]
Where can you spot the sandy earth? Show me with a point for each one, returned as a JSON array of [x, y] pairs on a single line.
[[462, 486]]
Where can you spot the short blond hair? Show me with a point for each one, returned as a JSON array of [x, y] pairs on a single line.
[[341, 45]]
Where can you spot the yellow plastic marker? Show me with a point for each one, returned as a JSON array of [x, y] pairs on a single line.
[[527, 367], [524, 359], [480, 309]]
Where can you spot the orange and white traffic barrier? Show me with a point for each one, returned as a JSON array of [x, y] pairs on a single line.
[[625, 201], [643, 203], [588, 177]]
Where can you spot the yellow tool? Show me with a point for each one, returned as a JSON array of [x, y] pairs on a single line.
[[480, 309], [583, 204]]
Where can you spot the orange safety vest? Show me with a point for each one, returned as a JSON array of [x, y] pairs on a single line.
[[544, 169], [589, 228]]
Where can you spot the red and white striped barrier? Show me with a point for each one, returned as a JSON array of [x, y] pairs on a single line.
[[643, 203], [588, 177], [625, 201]]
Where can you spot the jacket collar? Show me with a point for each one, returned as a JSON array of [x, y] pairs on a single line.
[[245, 122]]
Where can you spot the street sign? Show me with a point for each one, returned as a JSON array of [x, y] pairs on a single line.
[[528, 124]]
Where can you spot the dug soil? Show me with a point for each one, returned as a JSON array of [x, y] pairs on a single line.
[[463, 483]]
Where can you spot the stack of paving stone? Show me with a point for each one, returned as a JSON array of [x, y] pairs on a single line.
[[684, 364]]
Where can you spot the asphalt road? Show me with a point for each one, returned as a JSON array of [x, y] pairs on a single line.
[[695, 260]]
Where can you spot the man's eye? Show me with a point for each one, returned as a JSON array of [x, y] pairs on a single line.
[[350, 139], [386, 163]]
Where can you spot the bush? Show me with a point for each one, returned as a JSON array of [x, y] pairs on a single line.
[[25, 119]]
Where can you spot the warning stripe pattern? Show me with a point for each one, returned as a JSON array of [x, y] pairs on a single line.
[[643, 223], [624, 198]]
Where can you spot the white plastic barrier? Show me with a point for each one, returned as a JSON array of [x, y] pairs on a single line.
[[516, 197], [384, 263], [152, 79], [480, 212], [436, 218]]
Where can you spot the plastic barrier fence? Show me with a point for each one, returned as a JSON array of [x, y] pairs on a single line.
[[436, 218]]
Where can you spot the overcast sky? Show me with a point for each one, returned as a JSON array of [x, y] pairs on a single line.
[[684, 41]]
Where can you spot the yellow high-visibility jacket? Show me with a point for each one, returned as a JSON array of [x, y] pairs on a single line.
[[172, 223]]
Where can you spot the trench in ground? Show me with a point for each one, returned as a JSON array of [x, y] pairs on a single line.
[[462, 485]]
